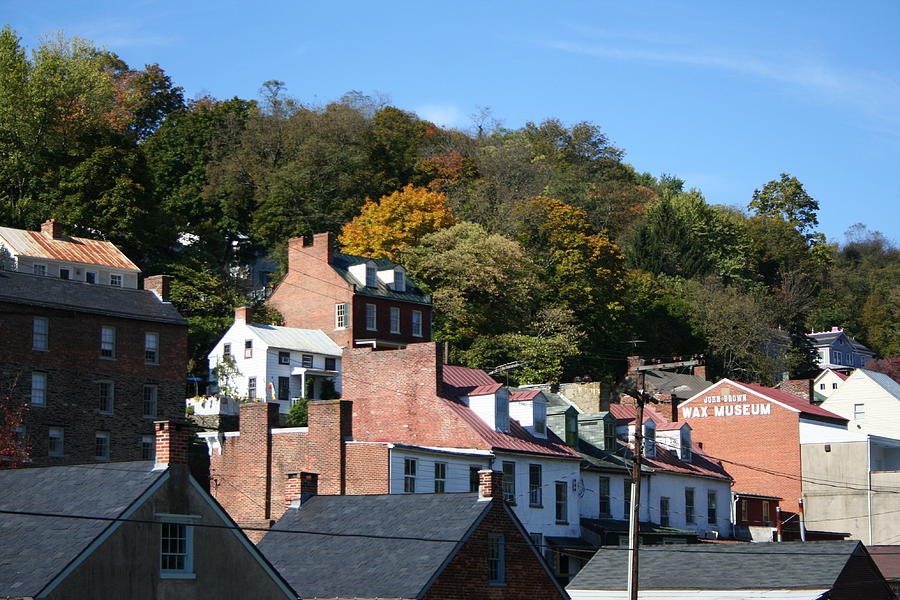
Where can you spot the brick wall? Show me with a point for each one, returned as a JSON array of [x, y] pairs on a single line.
[[74, 367], [383, 320], [395, 398], [466, 575], [760, 441], [368, 468]]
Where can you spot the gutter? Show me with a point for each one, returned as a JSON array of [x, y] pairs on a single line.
[[869, 484]]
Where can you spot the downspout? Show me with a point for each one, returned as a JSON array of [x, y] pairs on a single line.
[[734, 501], [869, 484]]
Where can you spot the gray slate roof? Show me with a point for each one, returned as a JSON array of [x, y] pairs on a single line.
[[320, 566], [342, 263], [33, 550], [680, 385], [791, 565], [823, 339], [51, 292]]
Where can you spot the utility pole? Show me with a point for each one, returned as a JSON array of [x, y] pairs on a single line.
[[633, 528]]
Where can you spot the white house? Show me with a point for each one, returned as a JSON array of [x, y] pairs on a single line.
[[870, 400], [826, 382], [837, 350], [278, 364]]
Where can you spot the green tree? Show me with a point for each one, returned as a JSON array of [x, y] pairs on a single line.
[[786, 198]]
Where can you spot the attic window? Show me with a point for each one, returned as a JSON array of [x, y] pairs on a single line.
[[650, 439], [399, 280], [371, 276], [685, 444]]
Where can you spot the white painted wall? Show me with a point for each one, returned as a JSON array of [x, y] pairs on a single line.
[[672, 486], [827, 382], [699, 594], [882, 409], [589, 502], [77, 270]]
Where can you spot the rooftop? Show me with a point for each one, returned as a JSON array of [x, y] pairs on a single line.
[[341, 263], [38, 244], [293, 338]]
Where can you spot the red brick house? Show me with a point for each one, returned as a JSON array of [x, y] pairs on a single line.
[[95, 364], [357, 301], [429, 546], [757, 431]]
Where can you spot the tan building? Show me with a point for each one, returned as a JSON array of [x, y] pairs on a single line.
[[870, 400]]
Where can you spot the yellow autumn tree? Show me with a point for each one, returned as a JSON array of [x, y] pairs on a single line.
[[396, 221]]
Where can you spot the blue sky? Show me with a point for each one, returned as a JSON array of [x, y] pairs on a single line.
[[725, 95]]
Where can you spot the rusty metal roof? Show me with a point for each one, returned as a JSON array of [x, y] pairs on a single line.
[[37, 244]]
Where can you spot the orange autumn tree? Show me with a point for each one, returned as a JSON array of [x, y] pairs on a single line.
[[396, 221]]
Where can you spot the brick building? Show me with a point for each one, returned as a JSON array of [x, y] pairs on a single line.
[[95, 365], [757, 431], [402, 547], [407, 424], [356, 301]]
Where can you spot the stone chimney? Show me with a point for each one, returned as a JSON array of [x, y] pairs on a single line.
[[242, 313], [53, 228], [159, 285], [490, 484], [172, 440], [300, 487]]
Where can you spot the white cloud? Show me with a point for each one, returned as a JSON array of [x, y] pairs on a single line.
[[444, 115]]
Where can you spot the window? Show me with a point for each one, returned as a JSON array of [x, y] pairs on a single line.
[[150, 395], [115, 280], [664, 511], [474, 481], [331, 364], [251, 388], [371, 317], [833, 386], [626, 495], [440, 477], [496, 559], [308, 361], [101, 445], [711, 507], [689, 505], [685, 445], [38, 389], [399, 280], [859, 411], [175, 549], [562, 515], [105, 396], [340, 315], [417, 323], [535, 489], [55, 441], [65, 273], [745, 509], [107, 342], [39, 333], [609, 436], [540, 418], [603, 492], [226, 350], [837, 357], [650, 440], [767, 517], [501, 410], [248, 348], [509, 481], [40, 269], [151, 348], [148, 447], [284, 358], [409, 475], [822, 386], [90, 277], [395, 319], [371, 276], [284, 388]]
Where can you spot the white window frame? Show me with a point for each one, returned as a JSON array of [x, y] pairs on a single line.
[[174, 528], [650, 439], [399, 279], [561, 501], [508, 484], [40, 334], [307, 361], [67, 271], [248, 348], [690, 515], [395, 319], [410, 467], [535, 485], [664, 511], [56, 433], [340, 315], [440, 477], [496, 559], [151, 348], [371, 317], [115, 279], [106, 390], [712, 506], [371, 275], [151, 401], [417, 323], [604, 498], [859, 411], [226, 349], [38, 388], [101, 445], [39, 269], [284, 358], [107, 342], [251, 388], [148, 447], [90, 277]]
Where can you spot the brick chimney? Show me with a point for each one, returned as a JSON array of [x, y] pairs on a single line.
[[634, 361], [700, 371], [256, 421], [172, 440], [242, 313], [159, 285], [300, 487], [330, 423], [490, 484], [53, 228], [321, 248]]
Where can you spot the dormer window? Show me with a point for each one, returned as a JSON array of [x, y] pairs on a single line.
[[371, 275], [540, 418], [501, 410], [399, 280], [609, 434], [685, 444], [650, 439]]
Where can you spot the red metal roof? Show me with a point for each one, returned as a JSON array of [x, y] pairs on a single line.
[[626, 413], [466, 377], [483, 390], [523, 395], [699, 465], [793, 401], [37, 244]]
